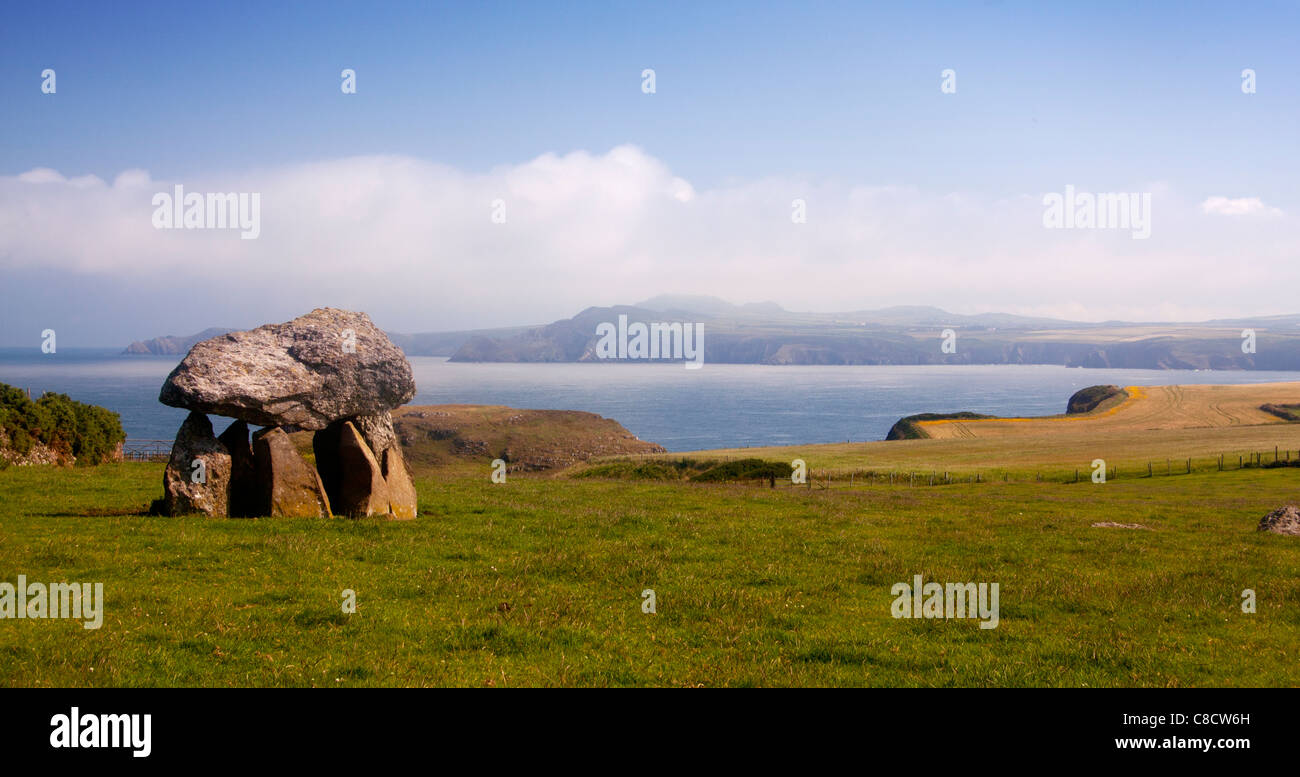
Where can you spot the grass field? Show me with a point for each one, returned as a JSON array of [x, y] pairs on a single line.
[[539, 581]]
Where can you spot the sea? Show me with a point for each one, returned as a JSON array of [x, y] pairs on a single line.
[[718, 406]]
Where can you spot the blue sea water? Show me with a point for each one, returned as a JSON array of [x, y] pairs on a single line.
[[721, 405]]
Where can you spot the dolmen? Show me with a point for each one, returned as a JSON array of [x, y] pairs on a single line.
[[332, 372]]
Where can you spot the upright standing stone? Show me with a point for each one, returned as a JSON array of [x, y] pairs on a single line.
[[365, 478], [204, 488], [287, 486], [243, 473], [377, 431]]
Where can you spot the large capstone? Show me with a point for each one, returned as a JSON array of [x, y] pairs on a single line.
[[326, 366], [197, 478]]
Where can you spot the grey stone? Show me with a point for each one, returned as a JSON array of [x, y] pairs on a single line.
[[1283, 520], [181, 493], [307, 373]]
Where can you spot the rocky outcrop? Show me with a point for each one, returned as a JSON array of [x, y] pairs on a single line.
[[1089, 399], [197, 478], [528, 440], [908, 428], [1283, 520], [307, 373], [287, 486], [331, 371]]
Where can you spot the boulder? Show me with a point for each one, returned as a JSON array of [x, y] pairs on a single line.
[[287, 486], [326, 366], [191, 489], [244, 500], [1283, 520], [362, 468]]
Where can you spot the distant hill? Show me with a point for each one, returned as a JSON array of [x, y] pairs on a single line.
[[171, 344], [765, 333]]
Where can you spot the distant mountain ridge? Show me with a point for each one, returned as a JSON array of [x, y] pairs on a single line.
[[766, 333]]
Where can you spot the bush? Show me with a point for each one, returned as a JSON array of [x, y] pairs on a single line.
[[744, 469], [88, 432]]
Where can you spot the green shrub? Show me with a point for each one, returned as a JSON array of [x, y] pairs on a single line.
[[744, 469], [88, 432]]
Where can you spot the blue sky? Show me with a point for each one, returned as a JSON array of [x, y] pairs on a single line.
[[822, 96]]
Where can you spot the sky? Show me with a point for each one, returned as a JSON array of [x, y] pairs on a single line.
[[506, 163]]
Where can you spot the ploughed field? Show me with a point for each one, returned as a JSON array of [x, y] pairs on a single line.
[[539, 581]]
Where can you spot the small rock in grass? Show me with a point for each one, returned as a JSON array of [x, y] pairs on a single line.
[[1283, 520]]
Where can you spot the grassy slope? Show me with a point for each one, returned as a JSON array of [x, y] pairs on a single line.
[[755, 586]]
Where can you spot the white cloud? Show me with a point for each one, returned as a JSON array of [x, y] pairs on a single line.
[[1242, 206], [413, 242]]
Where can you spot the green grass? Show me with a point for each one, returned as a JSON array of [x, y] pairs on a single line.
[[538, 582]]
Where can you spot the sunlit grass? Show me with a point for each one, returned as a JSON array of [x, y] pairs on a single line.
[[538, 582]]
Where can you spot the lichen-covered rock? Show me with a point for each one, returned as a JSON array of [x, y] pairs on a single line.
[[1283, 520], [188, 488], [287, 486], [307, 373]]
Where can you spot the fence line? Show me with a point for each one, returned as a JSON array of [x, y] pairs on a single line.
[[840, 479]]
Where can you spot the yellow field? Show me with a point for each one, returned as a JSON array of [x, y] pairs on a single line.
[[1146, 408], [1158, 425]]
